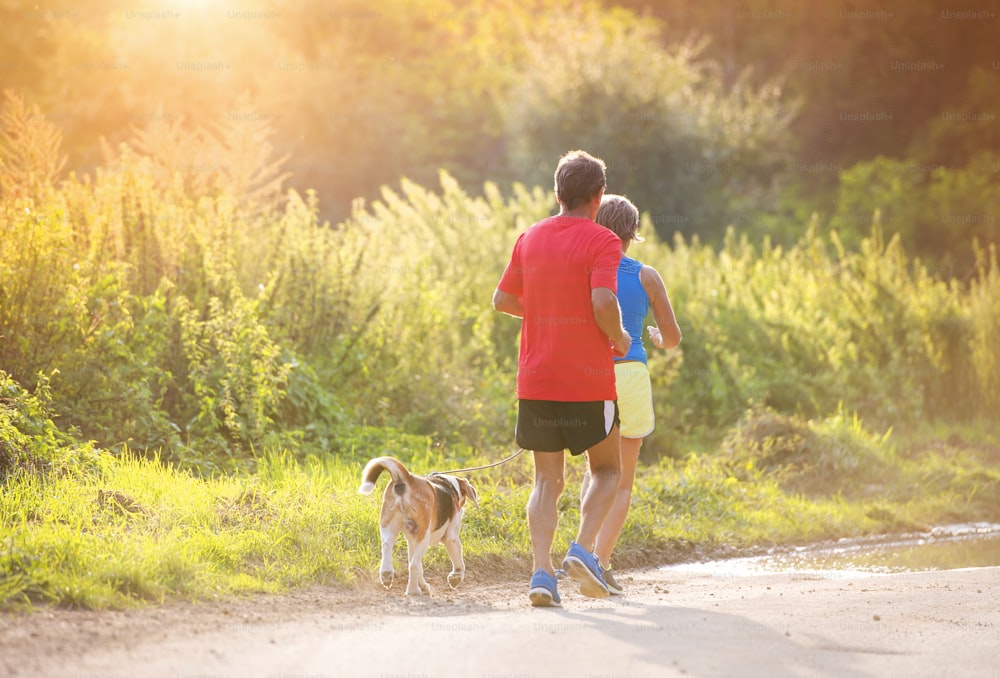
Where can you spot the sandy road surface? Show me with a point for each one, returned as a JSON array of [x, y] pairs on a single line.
[[671, 623]]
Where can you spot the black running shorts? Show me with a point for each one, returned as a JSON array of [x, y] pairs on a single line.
[[554, 426]]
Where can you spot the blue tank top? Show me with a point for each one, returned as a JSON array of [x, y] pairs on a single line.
[[634, 303]]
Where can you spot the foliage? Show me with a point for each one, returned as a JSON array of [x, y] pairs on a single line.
[[929, 206], [137, 531], [432, 355], [697, 150], [30, 442], [237, 374], [845, 57], [691, 105], [30, 159], [144, 318], [966, 124], [231, 157], [395, 93], [208, 327], [984, 315], [806, 329], [125, 531], [194, 361], [836, 454]]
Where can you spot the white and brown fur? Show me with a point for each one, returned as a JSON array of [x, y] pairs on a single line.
[[427, 510]]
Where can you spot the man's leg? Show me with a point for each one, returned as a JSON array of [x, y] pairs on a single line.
[[543, 512], [604, 466]]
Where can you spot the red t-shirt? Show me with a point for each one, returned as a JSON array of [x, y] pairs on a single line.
[[564, 355]]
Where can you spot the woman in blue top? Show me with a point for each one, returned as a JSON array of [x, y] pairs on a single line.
[[640, 289]]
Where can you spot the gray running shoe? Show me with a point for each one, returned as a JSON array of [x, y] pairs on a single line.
[[614, 588]]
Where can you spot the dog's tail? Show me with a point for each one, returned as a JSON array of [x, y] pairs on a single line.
[[374, 468]]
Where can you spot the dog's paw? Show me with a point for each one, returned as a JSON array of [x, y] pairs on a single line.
[[455, 578], [418, 587], [387, 577]]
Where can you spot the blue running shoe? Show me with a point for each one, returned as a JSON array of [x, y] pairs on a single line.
[[544, 590], [585, 569]]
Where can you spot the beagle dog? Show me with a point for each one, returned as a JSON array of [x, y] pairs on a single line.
[[428, 510]]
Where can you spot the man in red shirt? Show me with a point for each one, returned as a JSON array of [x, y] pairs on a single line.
[[561, 280]]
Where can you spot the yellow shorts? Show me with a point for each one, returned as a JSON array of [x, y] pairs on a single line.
[[635, 399]]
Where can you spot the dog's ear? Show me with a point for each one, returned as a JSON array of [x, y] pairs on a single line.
[[468, 491]]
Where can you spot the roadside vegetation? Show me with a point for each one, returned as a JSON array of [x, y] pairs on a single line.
[[194, 367], [96, 529]]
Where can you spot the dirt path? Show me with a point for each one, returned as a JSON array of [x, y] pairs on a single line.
[[671, 623]]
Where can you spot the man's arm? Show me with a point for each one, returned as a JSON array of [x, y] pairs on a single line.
[[508, 303], [609, 318]]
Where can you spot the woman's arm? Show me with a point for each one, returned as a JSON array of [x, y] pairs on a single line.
[[666, 333]]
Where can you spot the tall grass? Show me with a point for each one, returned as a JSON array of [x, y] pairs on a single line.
[[136, 530], [814, 327], [188, 321], [121, 530]]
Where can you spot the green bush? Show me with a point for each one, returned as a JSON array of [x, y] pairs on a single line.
[[834, 455], [30, 442], [207, 328], [930, 206], [807, 329]]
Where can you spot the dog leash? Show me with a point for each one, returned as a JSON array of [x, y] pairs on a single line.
[[478, 468]]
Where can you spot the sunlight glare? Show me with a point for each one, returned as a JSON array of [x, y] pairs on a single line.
[[200, 4]]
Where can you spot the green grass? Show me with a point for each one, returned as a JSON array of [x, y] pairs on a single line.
[[121, 531], [161, 533]]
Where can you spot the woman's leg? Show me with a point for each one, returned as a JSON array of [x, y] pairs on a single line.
[[607, 537]]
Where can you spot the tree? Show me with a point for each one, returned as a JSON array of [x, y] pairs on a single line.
[[931, 207], [690, 150]]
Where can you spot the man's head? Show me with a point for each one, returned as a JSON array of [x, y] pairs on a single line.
[[620, 216], [580, 178]]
